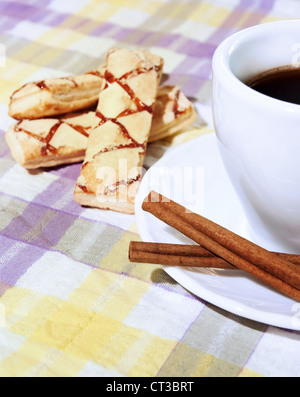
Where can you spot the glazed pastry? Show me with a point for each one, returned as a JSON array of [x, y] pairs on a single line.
[[173, 112], [58, 96], [34, 145], [50, 141], [112, 169]]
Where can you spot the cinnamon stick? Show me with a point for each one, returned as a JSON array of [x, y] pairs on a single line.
[[175, 255], [184, 255], [241, 253]]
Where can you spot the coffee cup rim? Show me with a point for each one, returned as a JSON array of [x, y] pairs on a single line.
[[220, 64]]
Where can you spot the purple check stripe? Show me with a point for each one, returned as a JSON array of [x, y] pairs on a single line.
[[17, 254], [20, 11], [4, 150], [259, 10], [15, 259], [71, 171], [32, 216], [42, 211]]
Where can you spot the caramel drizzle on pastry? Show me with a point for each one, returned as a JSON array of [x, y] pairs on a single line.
[[110, 79], [113, 188], [96, 73], [43, 86], [140, 107], [47, 147], [176, 110]]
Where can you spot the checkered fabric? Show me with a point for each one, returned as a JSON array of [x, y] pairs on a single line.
[[71, 303]]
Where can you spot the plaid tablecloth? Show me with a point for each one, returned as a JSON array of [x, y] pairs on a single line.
[[71, 303]]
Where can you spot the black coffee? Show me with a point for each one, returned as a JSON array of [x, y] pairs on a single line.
[[281, 83]]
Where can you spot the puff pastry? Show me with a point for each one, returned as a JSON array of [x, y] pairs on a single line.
[[58, 96], [50, 142], [112, 169], [33, 143], [173, 112]]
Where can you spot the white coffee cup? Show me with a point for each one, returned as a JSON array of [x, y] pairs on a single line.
[[259, 136]]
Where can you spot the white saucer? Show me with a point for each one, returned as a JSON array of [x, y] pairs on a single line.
[[193, 175]]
